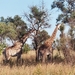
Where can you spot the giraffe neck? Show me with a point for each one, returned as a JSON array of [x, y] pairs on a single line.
[[54, 34], [49, 41], [25, 37]]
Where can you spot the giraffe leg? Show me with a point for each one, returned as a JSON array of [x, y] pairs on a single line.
[[6, 59], [44, 58], [40, 56], [52, 56], [19, 60]]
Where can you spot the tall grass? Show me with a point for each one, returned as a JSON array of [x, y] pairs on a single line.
[[39, 69], [30, 67]]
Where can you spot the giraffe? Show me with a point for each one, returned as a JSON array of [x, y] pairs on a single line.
[[12, 51], [46, 49], [16, 48]]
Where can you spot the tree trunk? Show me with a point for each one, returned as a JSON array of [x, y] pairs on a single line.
[[37, 56]]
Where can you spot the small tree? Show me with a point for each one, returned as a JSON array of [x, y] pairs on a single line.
[[26, 48], [38, 19]]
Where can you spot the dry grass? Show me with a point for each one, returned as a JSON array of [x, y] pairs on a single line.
[[30, 68], [39, 69]]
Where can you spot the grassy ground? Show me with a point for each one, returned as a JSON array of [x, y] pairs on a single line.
[[44, 69], [30, 67]]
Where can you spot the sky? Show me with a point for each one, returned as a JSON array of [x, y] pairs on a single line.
[[10, 8], [14, 7]]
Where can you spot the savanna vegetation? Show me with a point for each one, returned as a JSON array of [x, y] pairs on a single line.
[[14, 28], [30, 67]]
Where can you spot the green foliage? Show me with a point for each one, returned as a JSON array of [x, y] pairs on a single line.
[[37, 13], [39, 40], [38, 18], [62, 28], [2, 46], [2, 19], [15, 27], [7, 30], [11, 32], [20, 25], [71, 33], [73, 15], [67, 8], [42, 36], [26, 48], [2, 28]]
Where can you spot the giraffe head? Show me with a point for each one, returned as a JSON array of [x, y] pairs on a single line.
[[58, 25]]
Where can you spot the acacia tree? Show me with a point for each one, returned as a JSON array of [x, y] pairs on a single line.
[[14, 24], [20, 25], [67, 7], [67, 16], [38, 19], [7, 30], [41, 37]]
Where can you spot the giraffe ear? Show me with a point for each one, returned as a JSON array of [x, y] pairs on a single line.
[[57, 24]]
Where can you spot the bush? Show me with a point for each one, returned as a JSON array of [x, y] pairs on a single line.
[[2, 45], [26, 48]]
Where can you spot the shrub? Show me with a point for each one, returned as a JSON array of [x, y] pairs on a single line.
[[2, 45], [26, 48]]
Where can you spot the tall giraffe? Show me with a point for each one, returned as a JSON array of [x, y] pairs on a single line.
[[46, 48], [16, 48]]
